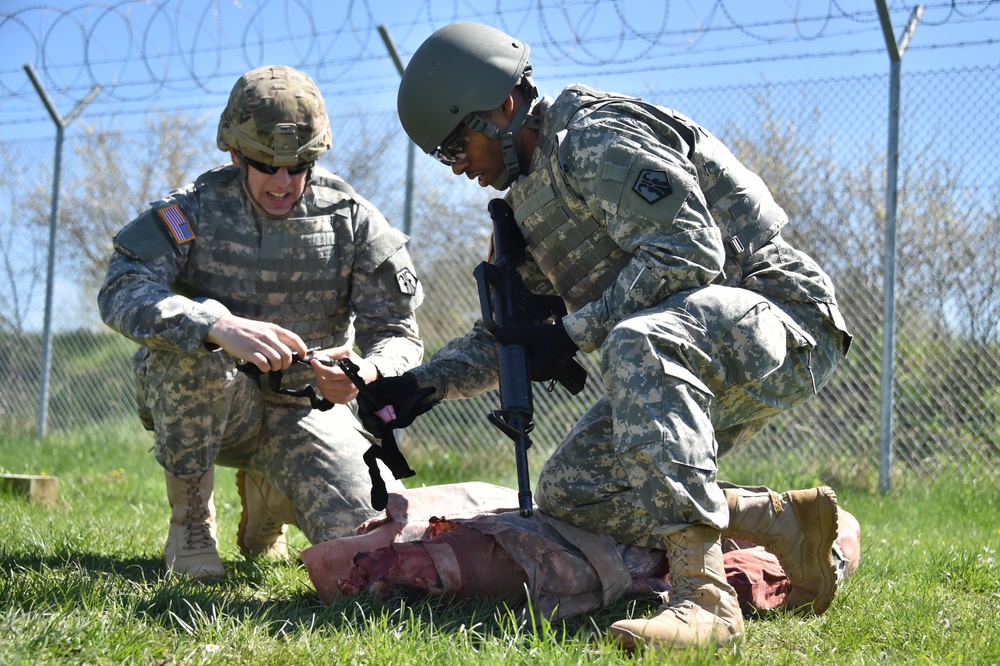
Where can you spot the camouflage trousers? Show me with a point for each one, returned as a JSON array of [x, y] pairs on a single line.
[[685, 382], [203, 412]]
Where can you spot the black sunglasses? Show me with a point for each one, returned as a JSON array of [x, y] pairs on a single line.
[[270, 169], [452, 149]]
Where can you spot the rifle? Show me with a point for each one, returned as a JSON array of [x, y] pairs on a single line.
[[505, 301]]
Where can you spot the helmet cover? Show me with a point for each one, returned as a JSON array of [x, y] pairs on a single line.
[[275, 115]]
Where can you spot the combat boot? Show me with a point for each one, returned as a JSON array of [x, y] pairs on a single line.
[[266, 513], [802, 539], [191, 548], [701, 610]]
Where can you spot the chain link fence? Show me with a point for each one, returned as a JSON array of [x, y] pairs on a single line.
[[819, 144]]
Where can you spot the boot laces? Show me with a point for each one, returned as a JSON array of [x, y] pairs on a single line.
[[198, 534], [676, 553], [270, 525]]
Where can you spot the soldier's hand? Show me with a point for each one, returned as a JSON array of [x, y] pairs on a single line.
[[549, 347], [403, 394], [268, 346], [331, 381]]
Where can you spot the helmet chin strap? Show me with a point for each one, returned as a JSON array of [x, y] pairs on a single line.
[[512, 166]]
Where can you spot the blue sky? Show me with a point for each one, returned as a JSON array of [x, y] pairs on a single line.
[[185, 54]]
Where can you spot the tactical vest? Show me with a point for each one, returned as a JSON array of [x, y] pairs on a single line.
[[572, 247], [288, 272]]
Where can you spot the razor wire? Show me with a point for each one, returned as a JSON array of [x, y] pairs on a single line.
[[184, 54]]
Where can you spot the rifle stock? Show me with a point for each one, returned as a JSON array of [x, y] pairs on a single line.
[[506, 301]]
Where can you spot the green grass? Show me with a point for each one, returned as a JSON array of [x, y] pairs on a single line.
[[81, 583]]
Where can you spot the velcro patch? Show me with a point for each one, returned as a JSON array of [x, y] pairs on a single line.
[[652, 185], [178, 225], [407, 281]]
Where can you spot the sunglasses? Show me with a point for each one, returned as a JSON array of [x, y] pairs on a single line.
[[270, 169], [453, 149]]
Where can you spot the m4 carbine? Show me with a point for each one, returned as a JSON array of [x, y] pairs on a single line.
[[506, 301]]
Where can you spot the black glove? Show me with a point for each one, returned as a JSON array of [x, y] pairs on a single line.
[[403, 394], [376, 415], [549, 347]]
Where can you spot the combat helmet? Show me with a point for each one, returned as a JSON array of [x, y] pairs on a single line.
[[275, 115], [462, 69]]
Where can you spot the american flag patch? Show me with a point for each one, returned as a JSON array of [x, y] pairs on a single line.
[[178, 225]]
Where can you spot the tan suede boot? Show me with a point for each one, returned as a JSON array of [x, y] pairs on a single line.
[[263, 521], [802, 539], [191, 548], [702, 609]]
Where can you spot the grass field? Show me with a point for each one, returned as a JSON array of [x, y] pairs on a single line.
[[81, 583]]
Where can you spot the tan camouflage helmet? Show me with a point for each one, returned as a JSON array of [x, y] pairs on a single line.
[[275, 115]]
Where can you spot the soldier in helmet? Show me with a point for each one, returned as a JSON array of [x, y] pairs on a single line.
[[256, 265], [668, 254]]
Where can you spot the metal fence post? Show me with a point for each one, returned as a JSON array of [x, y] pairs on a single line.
[[61, 123], [889, 267], [390, 46]]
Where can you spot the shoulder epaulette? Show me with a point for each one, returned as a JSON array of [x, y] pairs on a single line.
[[335, 182], [221, 173]]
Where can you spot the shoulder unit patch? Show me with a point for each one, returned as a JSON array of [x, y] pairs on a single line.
[[407, 281], [652, 185]]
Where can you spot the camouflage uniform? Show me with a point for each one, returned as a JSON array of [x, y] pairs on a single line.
[[333, 271], [668, 254]]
